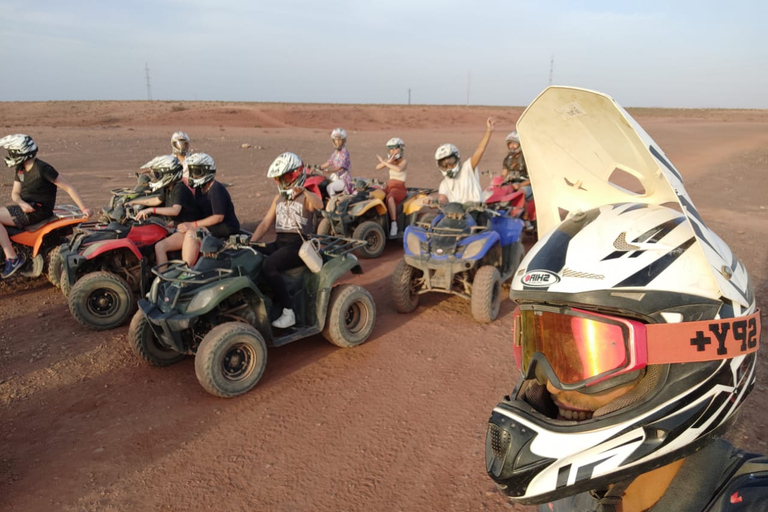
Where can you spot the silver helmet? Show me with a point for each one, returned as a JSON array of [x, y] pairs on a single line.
[[448, 160], [202, 169], [288, 171], [20, 149], [180, 143], [163, 170]]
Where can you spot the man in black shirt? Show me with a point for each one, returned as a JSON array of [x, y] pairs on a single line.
[[34, 194]]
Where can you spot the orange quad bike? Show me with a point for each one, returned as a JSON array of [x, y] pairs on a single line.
[[40, 242]]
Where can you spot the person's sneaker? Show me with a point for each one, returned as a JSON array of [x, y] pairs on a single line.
[[11, 266], [528, 226], [287, 319], [393, 228]]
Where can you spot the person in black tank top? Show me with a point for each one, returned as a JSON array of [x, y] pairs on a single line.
[[291, 212], [34, 194]]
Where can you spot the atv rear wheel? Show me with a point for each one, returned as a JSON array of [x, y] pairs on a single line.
[[231, 359], [101, 300], [55, 266], [146, 345], [351, 316], [486, 294], [324, 228], [64, 282], [402, 287], [373, 234]]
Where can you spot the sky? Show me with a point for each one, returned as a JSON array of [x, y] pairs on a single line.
[[667, 53]]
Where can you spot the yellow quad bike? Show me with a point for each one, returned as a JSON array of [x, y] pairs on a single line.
[[363, 215]]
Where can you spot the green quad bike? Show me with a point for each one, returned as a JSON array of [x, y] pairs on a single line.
[[221, 311]]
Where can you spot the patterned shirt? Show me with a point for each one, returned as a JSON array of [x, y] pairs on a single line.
[[340, 158]]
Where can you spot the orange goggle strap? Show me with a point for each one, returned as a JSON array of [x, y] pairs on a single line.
[[705, 340]]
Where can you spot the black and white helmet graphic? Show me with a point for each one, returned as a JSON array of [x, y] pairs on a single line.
[[288, 171], [180, 143], [448, 160], [163, 170], [642, 269], [202, 169], [20, 149]]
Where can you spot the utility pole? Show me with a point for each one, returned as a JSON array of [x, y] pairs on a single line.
[[409, 95], [469, 80], [551, 68], [149, 87]]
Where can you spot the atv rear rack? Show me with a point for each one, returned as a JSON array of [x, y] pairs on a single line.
[[336, 246]]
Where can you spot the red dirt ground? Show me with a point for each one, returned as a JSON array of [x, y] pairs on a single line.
[[395, 424]]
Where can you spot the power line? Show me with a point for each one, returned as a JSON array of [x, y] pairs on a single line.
[[551, 68], [149, 87]]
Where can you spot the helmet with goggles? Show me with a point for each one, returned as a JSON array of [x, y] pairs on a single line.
[[202, 169], [163, 170], [448, 160], [180, 143], [288, 171], [619, 304], [20, 149]]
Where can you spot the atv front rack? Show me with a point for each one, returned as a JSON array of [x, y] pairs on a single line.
[[67, 211]]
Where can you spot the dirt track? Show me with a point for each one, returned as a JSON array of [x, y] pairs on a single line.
[[395, 424]]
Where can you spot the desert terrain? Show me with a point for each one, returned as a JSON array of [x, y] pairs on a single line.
[[396, 424]]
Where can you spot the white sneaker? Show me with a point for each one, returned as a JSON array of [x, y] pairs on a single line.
[[393, 228], [287, 319]]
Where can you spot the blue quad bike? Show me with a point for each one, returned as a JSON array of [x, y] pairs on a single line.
[[221, 311], [466, 250]]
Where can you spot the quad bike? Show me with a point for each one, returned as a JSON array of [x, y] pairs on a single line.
[[467, 251], [363, 216], [104, 266], [39, 242], [221, 311], [501, 194]]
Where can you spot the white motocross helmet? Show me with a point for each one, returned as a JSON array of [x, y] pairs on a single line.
[[20, 149], [202, 169], [288, 171], [448, 160], [339, 133], [396, 143], [180, 143], [616, 295], [512, 137], [163, 170]]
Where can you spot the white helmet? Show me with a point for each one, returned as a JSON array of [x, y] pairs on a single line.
[[163, 170], [448, 160], [512, 137], [625, 295], [202, 169], [180, 143], [339, 133], [396, 143], [20, 149], [288, 171]]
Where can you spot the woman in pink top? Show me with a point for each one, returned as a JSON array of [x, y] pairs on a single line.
[[339, 164]]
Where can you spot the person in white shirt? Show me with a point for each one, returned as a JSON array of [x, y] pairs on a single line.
[[462, 181]]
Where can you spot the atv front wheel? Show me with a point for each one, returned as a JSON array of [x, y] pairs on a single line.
[[372, 233], [146, 345], [486, 294], [231, 359], [324, 228], [402, 287], [351, 316], [64, 283], [101, 300], [55, 266]]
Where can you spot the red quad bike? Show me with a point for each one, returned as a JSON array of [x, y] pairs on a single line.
[[500, 194], [40, 242], [105, 266]]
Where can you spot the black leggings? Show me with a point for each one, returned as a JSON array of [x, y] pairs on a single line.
[[282, 254]]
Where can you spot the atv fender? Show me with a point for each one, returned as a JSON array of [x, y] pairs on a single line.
[[35, 239], [363, 206], [98, 248]]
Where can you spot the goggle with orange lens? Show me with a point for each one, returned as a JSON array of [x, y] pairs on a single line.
[[581, 350]]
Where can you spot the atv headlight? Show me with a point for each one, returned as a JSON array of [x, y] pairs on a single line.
[[202, 298], [472, 249], [413, 244]]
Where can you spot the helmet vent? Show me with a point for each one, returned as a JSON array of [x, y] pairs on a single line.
[[500, 440], [621, 243], [572, 273]]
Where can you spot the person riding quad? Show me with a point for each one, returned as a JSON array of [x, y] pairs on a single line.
[[177, 199], [291, 211], [215, 212], [339, 164], [514, 171], [34, 194], [461, 183], [629, 372], [395, 189], [180, 142]]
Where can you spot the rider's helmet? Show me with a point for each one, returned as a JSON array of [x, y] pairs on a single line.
[[339, 134], [180, 143], [448, 160], [202, 169], [398, 144], [512, 137], [20, 149], [288, 171], [622, 296], [163, 170]]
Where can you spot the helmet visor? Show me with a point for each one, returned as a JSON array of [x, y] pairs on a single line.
[[197, 171], [447, 163], [284, 181], [181, 146], [577, 349]]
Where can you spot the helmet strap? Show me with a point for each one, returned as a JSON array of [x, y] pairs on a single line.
[[609, 500]]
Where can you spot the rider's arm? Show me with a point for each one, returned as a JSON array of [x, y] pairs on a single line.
[[266, 222], [64, 184], [146, 201], [312, 201], [483, 143], [16, 194]]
